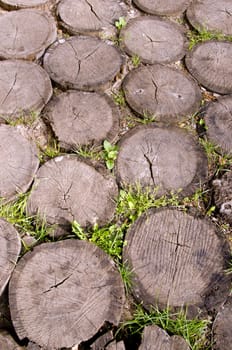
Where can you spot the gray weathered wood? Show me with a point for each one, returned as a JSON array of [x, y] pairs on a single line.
[[88, 16], [166, 93], [210, 64], [10, 246], [164, 157], [218, 120], [212, 15], [154, 40], [76, 192], [115, 346], [177, 260], [7, 342], [82, 62], [18, 162], [102, 341], [15, 4], [82, 118], [26, 35], [62, 293], [178, 343], [222, 334], [223, 195], [164, 7], [24, 87]]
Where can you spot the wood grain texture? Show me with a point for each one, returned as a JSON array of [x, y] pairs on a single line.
[[15, 4], [7, 342], [24, 87], [82, 118], [82, 62], [218, 120], [177, 260], [88, 16], [26, 35], [76, 192], [222, 335], [212, 15], [166, 93], [18, 162], [10, 246], [115, 346], [62, 293], [163, 7], [223, 195], [102, 341], [154, 40], [210, 64], [164, 157]]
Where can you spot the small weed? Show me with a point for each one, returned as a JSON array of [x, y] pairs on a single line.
[[121, 23], [51, 151], [132, 121], [23, 119], [94, 153], [119, 98], [201, 35], [127, 275], [109, 154], [135, 60], [193, 331]]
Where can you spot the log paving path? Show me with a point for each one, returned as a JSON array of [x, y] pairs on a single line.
[[76, 79]]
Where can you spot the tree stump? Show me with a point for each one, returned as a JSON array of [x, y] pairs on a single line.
[[82, 62], [24, 87], [82, 118], [76, 192], [162, 92], [154, 40], [18, 162], [177, 260], [89, 16], [62, 293], [162, 8], [223, 196], [26, 35], [10, 244], [15, 4], [7, 342], [210, 64], [165, 157], [102, 341], [155, 338], [222, 327], [218, 120], [212, 15]]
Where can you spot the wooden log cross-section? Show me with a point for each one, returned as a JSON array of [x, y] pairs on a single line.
[[82, 62], [177, 260], [222, 334], [26, 35], [165, 157], [18, 162], [164, 7], [61, 294], [87, 16], [15, 4], [162, 92], [82, 118], [154, 40]]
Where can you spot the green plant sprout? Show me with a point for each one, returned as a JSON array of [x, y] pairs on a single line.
[[52, 150], [89, 152], [135, 59], [127, 276], [121, 23], [203, 34], [119, 98], [110, 153], [193, 331], [23, 119]]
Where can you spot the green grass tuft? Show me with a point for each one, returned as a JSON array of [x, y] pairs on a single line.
[[202, 35]]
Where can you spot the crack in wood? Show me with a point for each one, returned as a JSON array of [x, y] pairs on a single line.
[[58, 284], [93, 11]]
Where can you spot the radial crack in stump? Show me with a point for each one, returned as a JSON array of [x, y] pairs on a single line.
[[26, 34], [212, 15], [10, 246], [155, 338], [222, 335], [163, 92], [15, 4], [154, 40], [177, 260], [62, 293], [67, 189], [82, 118], [218, 120], [82, 62], [24, 87], [164, 7], [18, 162], [165, 157], [210, 64], [88, 16]]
